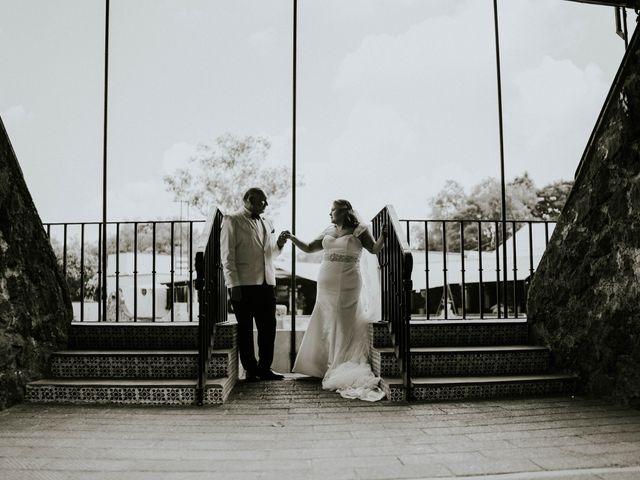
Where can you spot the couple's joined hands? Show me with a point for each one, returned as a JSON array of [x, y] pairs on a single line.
[[283, 237], [286, 235]]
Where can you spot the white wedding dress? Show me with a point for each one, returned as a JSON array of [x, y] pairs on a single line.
[[335, 346]]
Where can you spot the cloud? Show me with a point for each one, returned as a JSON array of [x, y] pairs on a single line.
[[148, 199], [263, 40], [422, 104], [177, 156], [549, 115], [16, 114], [141, 200], [422, 109]]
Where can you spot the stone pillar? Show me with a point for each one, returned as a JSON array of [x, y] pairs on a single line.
[[584, 300], [35, 308]]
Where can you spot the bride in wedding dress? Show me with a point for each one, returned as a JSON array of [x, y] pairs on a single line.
[[335, 346]]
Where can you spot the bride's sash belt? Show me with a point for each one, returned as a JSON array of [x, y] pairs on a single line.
[[340, 257]]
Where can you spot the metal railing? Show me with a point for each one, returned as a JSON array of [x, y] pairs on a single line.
[[142, 257], [212, 297], [396, 265], [464, 267]]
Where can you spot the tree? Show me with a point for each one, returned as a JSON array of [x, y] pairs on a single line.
[[483, 202], [127, 240], [75, 263], [551, 199], [219, 173]]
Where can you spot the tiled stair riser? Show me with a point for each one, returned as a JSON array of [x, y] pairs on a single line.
[[134, 376], [215, 395], [134, 395], [502, 354], [140, 365], [145, 336], [133, 337], [441, 334], [379, 336], [461, 392], [395, 392], [384, 363], [468, 363]]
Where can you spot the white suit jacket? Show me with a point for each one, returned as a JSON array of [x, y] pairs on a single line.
[[247, 250]]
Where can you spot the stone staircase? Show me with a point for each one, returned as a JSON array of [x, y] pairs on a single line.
[[137, 364], [452, 360]]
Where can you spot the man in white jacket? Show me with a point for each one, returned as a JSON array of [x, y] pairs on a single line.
[[248, 245]]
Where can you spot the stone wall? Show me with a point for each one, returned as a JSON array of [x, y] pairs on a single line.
[[35, 309], [584, 300]]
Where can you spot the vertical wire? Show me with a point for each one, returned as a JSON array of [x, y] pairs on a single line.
[[503, 189], [294, 74], [103, 292]]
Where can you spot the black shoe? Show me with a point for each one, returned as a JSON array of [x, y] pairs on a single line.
[[251, 377], [270, 375]]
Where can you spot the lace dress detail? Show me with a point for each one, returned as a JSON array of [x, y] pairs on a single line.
[[335, 346], [339, 257]]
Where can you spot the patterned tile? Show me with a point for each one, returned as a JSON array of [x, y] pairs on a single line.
[[133, 336], [140, 364], [394, 392], [448, 334], [491, 390], [384, 363], [141, 395], [379, 336], [137, 365], [124, 366], [479, 363]]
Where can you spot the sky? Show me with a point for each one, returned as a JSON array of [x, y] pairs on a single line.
[[394, 96]]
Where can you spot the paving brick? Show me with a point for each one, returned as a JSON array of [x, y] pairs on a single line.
[[293, 429]]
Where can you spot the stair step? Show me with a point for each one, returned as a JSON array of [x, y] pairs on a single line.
[[127, 392], [468, 360], [460, 388], [137, 363], [478, 348], [144, 336], [440, 333]]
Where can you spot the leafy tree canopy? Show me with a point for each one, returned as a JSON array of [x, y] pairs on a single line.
[[220, 172], [483, 202]]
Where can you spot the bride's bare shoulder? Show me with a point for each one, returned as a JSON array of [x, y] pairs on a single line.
[[331, 230], [359, 230]]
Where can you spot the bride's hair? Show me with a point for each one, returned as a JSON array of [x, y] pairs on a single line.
[[350, 218]]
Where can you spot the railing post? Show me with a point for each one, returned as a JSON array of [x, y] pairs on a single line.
[[117, 272], [153, 273], [135, 272], [200, 289], [407, 286], [172, 271], [82, 272]]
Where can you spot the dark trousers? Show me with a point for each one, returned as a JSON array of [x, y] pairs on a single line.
[[258, 302]]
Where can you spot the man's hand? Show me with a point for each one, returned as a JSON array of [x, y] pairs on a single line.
[[282, 238], [236, 294]]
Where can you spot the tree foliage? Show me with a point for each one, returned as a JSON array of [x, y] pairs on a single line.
[[79, 267], [483, 202], [551, 199], [220, 172]]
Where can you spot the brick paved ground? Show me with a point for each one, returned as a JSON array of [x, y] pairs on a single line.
[[292, 429]]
